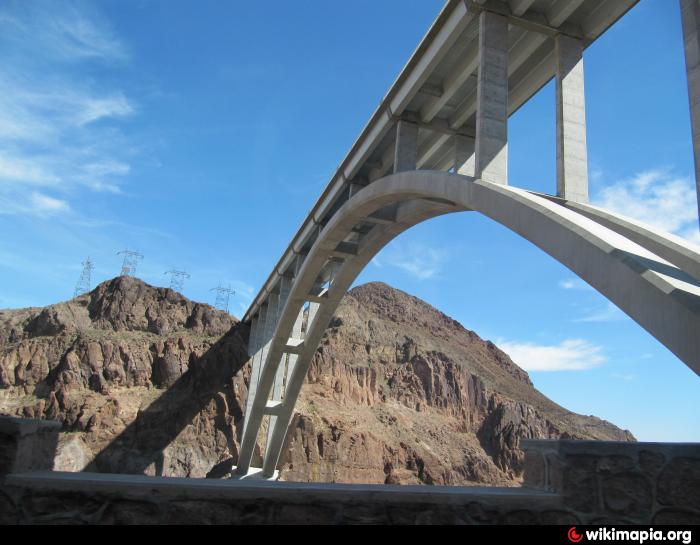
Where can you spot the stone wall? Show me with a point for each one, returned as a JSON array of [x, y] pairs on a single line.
[[566, 482], [607, 482], [27, 444], [83, 498]]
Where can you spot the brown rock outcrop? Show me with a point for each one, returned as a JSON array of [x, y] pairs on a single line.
[[146, 381], [416, 397]]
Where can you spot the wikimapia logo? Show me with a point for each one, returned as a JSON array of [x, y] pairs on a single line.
[[573, 535], [637, 536]]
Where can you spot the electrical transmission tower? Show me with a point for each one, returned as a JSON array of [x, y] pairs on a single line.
[[222, 297], [131, 259], [177, 279], [83, 285]]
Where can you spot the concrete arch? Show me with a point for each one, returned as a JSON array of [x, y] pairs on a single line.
[[658, 295]]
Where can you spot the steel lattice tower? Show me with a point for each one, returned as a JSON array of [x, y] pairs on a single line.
[[131, 259], [222, 297], [83, 285], [177, 279]]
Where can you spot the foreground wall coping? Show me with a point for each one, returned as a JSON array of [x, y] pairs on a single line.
[[602, 448], [188, 488]]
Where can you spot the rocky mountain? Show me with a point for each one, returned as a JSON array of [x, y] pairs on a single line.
[[146, 381]]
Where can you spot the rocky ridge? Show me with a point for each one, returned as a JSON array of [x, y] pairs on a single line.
[[146, 381]]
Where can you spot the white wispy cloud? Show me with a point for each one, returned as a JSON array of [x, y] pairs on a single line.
[[91, 108], [45, 204], [657, 197], [418, 260], [58, 126], [21, 170], [35, 204], [608, 313], [74, 36], [72, 31], [243, 291], [574, 284], [569, 355]]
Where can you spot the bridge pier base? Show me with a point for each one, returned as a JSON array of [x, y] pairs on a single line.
[[252, 474]]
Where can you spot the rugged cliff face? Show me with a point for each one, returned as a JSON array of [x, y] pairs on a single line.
[[146, 381], [399, 392]]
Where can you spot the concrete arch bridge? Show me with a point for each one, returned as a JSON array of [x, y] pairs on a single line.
[[438, 144]]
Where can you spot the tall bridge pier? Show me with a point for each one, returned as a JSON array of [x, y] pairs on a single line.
[[690, 17]]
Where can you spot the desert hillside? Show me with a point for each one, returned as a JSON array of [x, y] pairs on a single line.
[[147, 381]]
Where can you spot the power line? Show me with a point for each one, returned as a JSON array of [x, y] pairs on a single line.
[[177, 279], [222, 297], [131, 259], [83, 285]]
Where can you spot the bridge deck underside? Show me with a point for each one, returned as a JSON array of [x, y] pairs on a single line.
[[437, 91]]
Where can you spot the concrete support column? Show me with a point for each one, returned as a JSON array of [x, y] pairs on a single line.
[[285, 288], [298, 323], [248, 442], [254, 347], [572, 156], [492, 100], [406, 148], [464, 155], [356, 186], [273, 310], [253, 338], [296, 334], [690, 15], [313, 309]]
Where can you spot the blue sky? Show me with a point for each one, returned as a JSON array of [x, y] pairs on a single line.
[[201, 136]]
